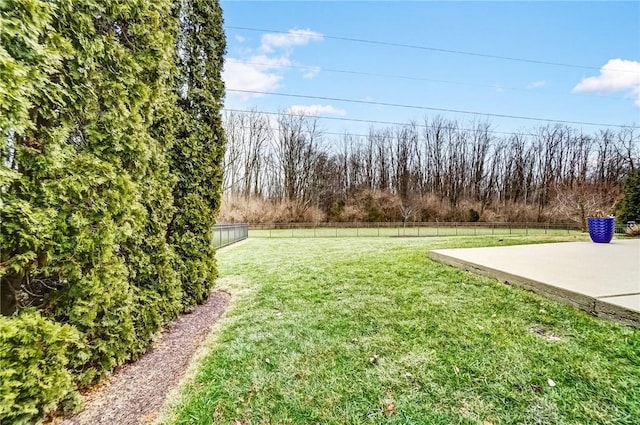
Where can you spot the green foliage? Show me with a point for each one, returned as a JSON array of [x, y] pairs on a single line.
[[474, 215], [628, 209], [34, 378], [29, 56], [371, 208], [198, 151], [110, 182]]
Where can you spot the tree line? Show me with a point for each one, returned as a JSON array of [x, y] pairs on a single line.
[[437, 169]]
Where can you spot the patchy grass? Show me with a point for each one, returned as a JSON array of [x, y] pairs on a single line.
[[370, 331]]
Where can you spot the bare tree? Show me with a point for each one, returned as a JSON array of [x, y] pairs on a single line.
[[297, 150], [288, 158]]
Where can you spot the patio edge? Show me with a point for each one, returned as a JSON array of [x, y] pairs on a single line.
[[591, 305]]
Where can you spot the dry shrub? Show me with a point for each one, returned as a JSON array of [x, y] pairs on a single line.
[[351, 213], [431, 208], [390, 206], [380, 206], [490, 215], [257, 210], [456, 214], [294, 212], [519, 213], [243, 210], [377, 206], [467, 211]]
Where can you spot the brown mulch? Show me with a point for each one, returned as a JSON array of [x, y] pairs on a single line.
[[135, 393]]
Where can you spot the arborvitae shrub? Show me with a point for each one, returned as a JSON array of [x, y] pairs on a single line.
[[92, 182], [34, 355], [198, 151], [628, 209]]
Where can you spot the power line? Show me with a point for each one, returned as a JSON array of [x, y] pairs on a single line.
[[405, 77], [428, 48], [402, 124], [427, 108]]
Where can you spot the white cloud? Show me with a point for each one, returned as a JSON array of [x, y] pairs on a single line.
[[536, 84], [315, 110], [267, 62], [254, 74], [617, 75], [260, 69], [311, 73], [240, 39], [295, 37], [246, 76]]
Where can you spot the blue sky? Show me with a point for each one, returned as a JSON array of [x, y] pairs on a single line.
[[601, 40]]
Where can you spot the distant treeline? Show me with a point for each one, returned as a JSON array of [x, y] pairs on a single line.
[[438, 169]]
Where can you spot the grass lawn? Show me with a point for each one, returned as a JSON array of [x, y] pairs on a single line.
[[370, 331]]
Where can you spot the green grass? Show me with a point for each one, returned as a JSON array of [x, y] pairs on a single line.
[[370, 331]]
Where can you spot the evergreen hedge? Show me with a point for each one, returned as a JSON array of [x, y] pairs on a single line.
[[110, 183], [199, 147], [628, 209]]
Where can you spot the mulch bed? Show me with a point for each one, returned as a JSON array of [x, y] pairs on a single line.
[[135, 393]]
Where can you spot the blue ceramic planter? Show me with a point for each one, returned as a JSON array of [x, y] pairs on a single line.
[[601, 229]]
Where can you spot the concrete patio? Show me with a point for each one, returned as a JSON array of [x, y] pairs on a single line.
[[603, 279]]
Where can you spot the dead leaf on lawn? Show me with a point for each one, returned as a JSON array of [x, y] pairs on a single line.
[[389, 405], [546, 334]]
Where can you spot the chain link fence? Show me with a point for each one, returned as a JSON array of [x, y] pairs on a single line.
[[410, 229], [227, 234]]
